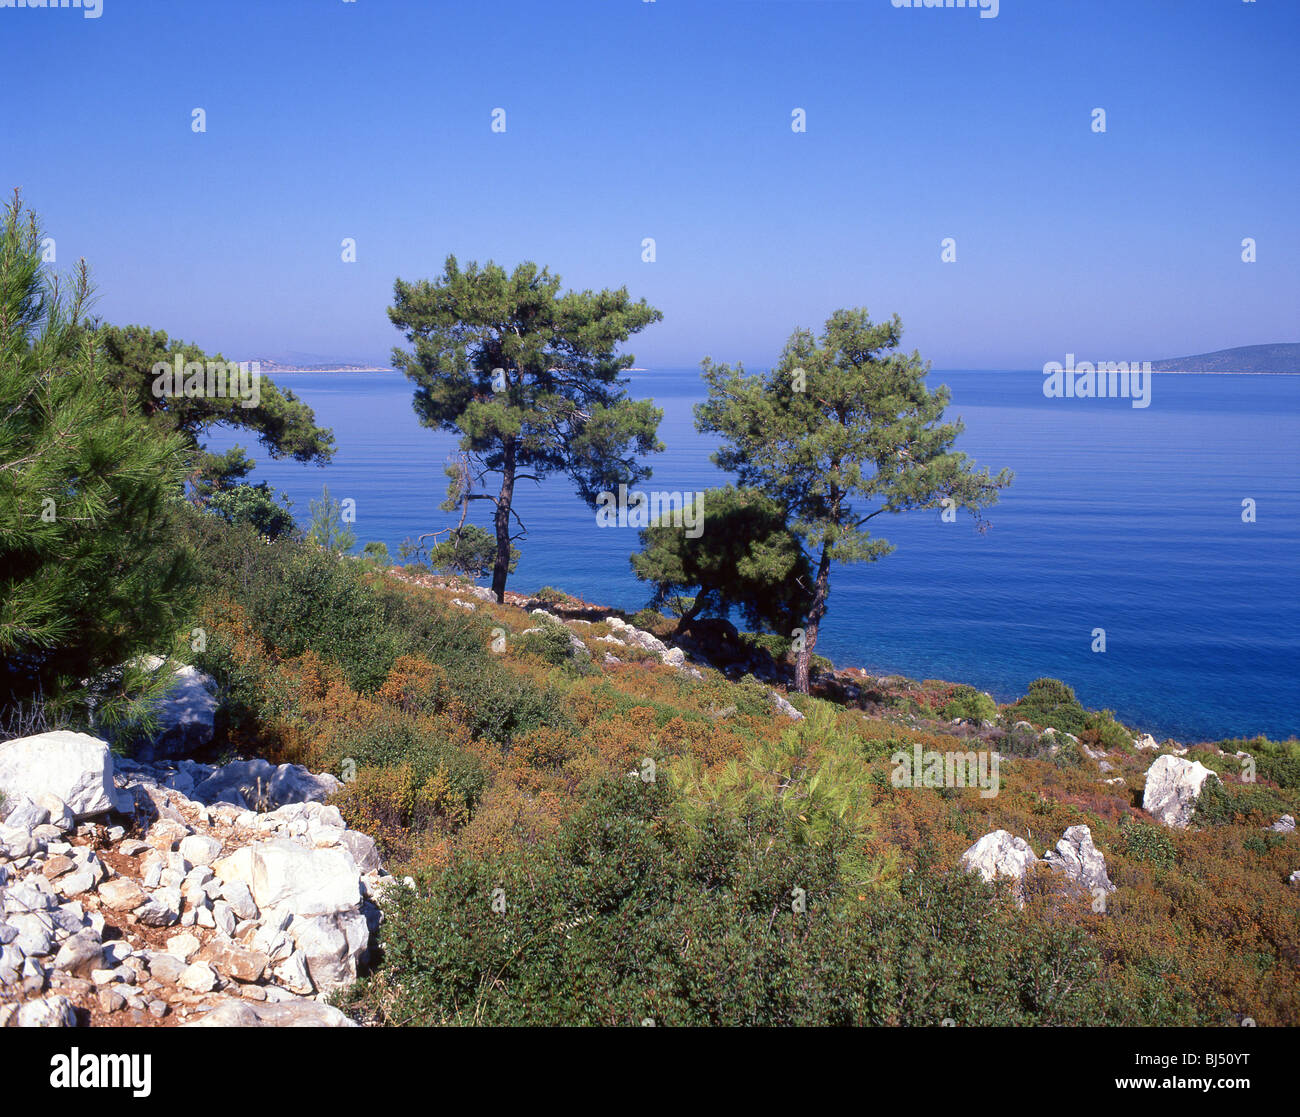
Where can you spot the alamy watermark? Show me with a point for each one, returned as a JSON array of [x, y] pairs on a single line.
[[988, 9], [652, 509], [209, 380], [1104, 380], [928, 768], [90, 9]]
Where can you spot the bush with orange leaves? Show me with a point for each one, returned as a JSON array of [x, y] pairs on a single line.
[[416, 686]]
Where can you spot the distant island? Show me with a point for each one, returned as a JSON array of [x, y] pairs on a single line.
[[276, 366], [1282, 357], [298, 361]]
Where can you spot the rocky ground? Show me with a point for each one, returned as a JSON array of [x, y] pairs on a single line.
[[620, 636], [175, 893]]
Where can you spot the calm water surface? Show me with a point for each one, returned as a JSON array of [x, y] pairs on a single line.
[[1119, 518]]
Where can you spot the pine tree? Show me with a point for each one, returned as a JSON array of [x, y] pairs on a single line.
[[284, 425], [328, 528], [841, 431], [92, 569], [529, 379]]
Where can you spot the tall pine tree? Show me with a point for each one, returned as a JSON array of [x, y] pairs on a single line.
[[841, 431], [530, 380], [92, 570]]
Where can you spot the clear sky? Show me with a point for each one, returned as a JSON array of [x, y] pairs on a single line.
[[672, 119]]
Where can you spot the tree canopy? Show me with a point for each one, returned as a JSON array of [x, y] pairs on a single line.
[[745, 558], [840, 431], [92, 572], [284, 425], [530, 379]]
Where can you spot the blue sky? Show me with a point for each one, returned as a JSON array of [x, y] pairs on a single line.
[[672, 120]]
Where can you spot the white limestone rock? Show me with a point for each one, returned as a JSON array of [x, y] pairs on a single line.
[[284, 873], [295, 1013], [785, 707], [1000, 854], [199, 849], [1172, 788], [185, 713], [75, 767], [1080, 860], [198, 977], [49, 1012]]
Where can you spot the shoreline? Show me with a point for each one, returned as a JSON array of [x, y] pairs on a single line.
[[841, 673]]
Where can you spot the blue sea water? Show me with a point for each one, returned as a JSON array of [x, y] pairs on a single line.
[[1121, 518]]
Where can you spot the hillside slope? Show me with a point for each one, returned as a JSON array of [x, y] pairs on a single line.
[[1283, 357]]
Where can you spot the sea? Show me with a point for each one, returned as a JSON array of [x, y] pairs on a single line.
[[1169, 535]]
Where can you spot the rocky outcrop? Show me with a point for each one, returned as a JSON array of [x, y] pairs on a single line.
[[74, 768], [635, 637], [1000, 854], [1080, 860], [208, 906], [185, 713], [549, 621], [785, 707], [1284, 825], [1172, 787], [250, 1014], [630, 636], [248, 784]]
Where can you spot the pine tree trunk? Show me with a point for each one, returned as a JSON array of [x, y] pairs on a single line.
[[821, 591], [501, 567], [684, 621]]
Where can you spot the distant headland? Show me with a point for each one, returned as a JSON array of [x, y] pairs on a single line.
[[1283, 357], [269, 366]]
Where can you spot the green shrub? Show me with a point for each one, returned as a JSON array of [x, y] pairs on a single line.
[[630, 914], [320, 603], [256, 506], [469, 552], [1221, 804], [502, 705], [1104, 731], [1146, 843], [776, 645], [1020, 742], [873, 748], [649, 620], [550, 643], [397, 741], [1263, 843], [297, 596], [970, 704], [752, 697], [1276, 761], [1049, 702], [1068, 754]]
